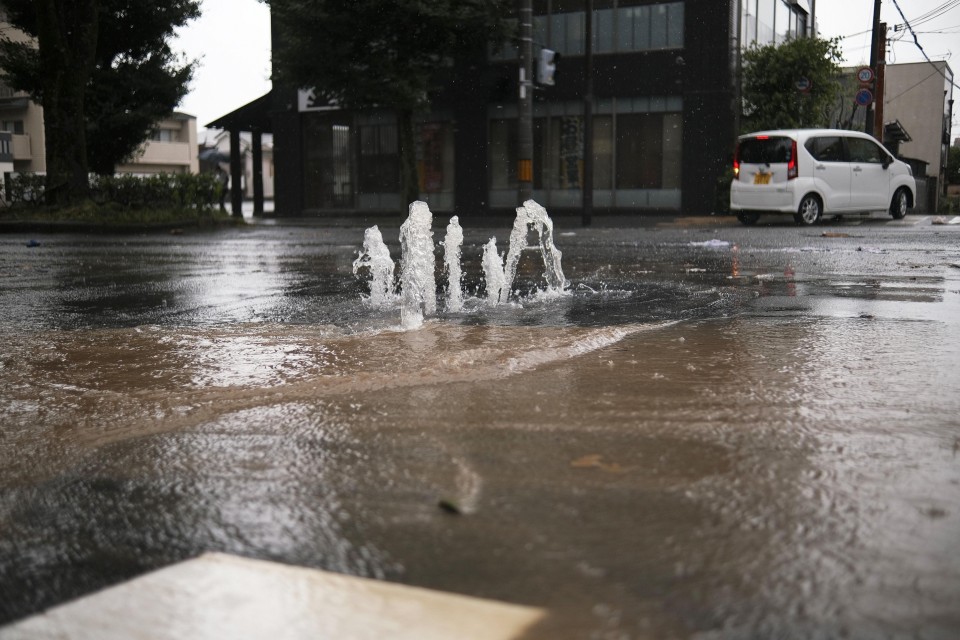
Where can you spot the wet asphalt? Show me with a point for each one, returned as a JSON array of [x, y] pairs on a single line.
[[721, 432]]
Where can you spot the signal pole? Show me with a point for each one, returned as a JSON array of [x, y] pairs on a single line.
[[587, 182], [525, 120]]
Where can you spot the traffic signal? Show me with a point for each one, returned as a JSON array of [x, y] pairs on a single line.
[[547, 67]]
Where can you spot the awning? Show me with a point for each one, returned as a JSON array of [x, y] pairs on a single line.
[[894, 132], [253, 116]]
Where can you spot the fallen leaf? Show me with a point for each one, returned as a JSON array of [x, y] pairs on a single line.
[[594, 461]]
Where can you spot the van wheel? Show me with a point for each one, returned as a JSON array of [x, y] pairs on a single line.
[[809, 210], [899, 204], [748, 218]]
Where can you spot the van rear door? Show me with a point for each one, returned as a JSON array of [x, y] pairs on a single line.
[[763, 160]]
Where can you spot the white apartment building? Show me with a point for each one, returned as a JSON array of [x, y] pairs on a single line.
[[171, 149]]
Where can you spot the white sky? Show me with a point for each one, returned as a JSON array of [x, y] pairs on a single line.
[[939, 36], [232, 41]]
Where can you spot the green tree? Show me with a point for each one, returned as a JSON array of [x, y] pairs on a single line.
[[104, 74], [953, 165], [363, 54], [772, 97]]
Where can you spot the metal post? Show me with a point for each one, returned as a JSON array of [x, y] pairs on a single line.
[[868, 122], [257, 172], [588, 120], [525, 122], [236, 194]]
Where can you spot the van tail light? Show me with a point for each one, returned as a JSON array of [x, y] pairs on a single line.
[[736, 163], [793, 170]]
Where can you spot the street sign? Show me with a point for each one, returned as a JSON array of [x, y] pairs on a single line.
[[865, 75], [804, 85], [864, 97]]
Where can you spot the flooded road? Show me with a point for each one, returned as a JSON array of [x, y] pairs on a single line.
[[719, 432]]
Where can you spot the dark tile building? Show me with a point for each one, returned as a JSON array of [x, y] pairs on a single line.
[[664, 118]]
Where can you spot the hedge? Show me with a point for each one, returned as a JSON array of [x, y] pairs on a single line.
[[177, 191]]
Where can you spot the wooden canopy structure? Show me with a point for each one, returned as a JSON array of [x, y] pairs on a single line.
[[254, 118]]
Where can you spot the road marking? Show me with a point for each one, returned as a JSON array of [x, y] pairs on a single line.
[[221, 596]]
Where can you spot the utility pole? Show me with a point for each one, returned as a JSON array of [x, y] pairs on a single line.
[[868, 126], [525, 120], [879, 74], [588, 121]]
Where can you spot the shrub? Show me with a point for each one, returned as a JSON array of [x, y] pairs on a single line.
[[160, 191], [171, 191], [25, 189]]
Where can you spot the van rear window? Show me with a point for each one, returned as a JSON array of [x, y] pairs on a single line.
[[772, 150]]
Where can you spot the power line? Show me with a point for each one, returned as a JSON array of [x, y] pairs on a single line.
[[932, 14], [916, 40]]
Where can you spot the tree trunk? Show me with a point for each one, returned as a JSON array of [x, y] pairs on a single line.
[[409, 178], [67, 40]]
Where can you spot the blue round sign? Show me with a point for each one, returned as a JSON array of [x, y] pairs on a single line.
[[864, 97]]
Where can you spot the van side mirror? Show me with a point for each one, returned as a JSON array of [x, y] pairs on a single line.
[[886, 162]]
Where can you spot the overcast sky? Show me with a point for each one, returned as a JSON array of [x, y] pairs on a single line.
[[232, 41], [936, 22]]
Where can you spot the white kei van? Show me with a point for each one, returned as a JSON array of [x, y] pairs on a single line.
[[813, 172]]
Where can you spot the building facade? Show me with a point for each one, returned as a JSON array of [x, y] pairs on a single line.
[[665, 77], [919, 96]]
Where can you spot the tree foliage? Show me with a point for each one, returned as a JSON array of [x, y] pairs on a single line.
[[771, 97], [104, 74], [369, 53], [953, 165]]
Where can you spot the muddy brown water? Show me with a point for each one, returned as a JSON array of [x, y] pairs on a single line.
[[737, 443]]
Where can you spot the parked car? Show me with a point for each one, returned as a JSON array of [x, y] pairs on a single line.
[[815, 172]]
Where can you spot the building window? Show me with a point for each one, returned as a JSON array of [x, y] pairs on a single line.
[[637, 152], [617, 29], [435, 155], [164, 135], [379, 161], [503, 154], [771, 21], [327, 171], [13, 126]]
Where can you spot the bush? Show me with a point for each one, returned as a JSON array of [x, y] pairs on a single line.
[[25, 189], [162, 191], [171, 191]]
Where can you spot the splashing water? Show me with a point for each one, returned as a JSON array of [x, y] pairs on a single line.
[[533, 216], [418, 294], [417, 280], [452, 244], [493, 274], [375, 256]]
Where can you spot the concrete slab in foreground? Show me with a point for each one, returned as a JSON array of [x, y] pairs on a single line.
[[222, 596]]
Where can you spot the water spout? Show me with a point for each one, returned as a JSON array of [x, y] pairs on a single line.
[[375, 256], [532, 216], [418, 263], [452, 244], [493, 274], [418, 288]]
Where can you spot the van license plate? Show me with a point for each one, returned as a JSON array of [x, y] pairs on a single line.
[[761, 178]]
